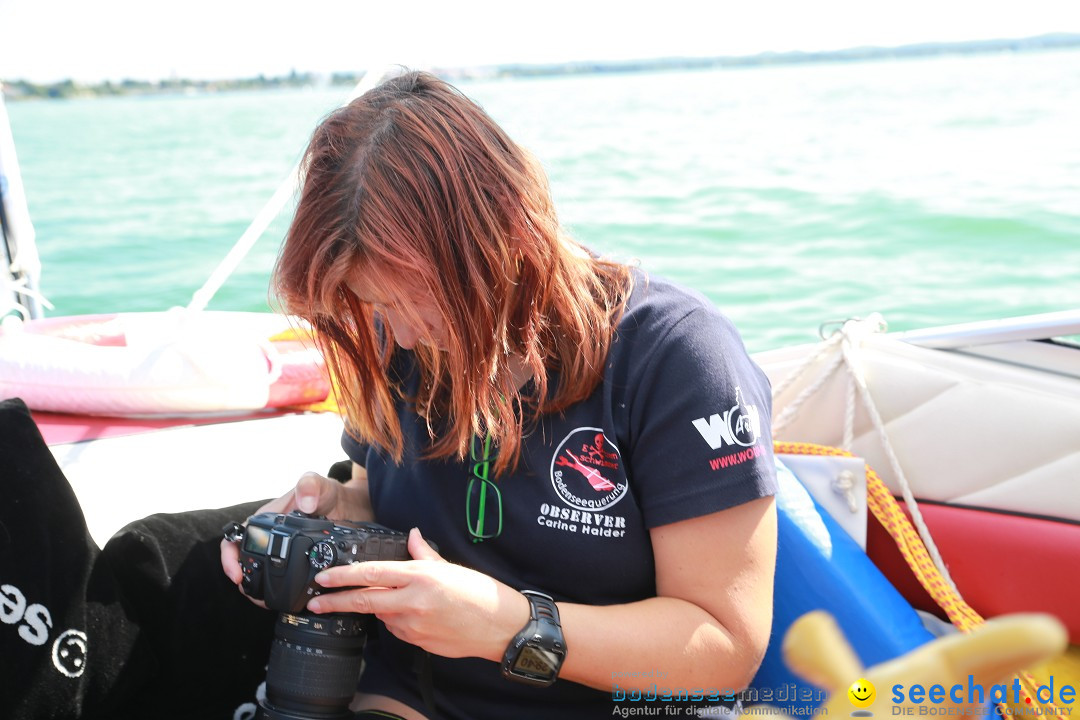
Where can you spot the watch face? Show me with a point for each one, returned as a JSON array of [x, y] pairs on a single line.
[[536, 661]]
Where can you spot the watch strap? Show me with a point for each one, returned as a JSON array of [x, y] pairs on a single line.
[[542, 607]]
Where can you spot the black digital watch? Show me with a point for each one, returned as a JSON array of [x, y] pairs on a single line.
[[536, 653]]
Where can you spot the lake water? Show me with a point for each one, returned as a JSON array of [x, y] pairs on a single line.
[[934, 191]]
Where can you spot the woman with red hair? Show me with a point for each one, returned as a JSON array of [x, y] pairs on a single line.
[[586, 445]]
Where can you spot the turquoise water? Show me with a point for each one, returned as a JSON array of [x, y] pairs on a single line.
[[933, 191]]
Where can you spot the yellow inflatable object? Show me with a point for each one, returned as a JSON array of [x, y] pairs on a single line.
[[983, 658]]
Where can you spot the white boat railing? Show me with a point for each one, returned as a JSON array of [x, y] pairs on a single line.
[[994, 332]]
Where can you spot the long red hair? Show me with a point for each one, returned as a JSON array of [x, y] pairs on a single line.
[[413, 180]]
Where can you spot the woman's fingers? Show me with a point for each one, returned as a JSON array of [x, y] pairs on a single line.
[[316, 495], [378, 573], [444, 608], [369, 582], [313, 494], [419, 548], [230, 561], [377, 601]]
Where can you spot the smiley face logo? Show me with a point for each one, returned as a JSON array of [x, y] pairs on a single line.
[[862, 693], [69, 653]]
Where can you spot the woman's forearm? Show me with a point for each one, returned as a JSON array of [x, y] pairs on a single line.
[[661, 641]]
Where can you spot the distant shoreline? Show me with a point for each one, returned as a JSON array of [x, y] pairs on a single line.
[[24, 90]]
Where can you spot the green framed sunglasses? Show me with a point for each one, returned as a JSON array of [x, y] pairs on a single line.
[[483, 500]]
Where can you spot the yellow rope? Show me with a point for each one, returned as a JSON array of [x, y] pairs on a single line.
[[880, 501]]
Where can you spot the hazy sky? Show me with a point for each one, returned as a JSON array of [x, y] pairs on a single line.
[[48, 40]]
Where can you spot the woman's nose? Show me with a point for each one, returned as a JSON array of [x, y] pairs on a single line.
[[405, 335]]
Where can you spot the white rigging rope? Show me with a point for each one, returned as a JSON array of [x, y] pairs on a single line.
[[281, 196], [845, 345], [18, 285]]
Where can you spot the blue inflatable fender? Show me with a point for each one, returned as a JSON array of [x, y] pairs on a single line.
[[819, 567]]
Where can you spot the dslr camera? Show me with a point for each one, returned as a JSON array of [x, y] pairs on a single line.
[[315, 659]]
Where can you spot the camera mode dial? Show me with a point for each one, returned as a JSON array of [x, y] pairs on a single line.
[[322, 555]]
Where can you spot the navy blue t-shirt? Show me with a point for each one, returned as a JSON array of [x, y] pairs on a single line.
[[678, 428]]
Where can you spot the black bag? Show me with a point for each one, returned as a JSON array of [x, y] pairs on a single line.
[[147, 627]]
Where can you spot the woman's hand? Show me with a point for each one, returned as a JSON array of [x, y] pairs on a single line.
[[314, 495], [446, 609]]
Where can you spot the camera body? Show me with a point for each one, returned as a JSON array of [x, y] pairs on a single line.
[[315, 659], [281, 554]]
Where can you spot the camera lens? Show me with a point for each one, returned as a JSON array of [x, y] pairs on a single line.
[[314, 664]]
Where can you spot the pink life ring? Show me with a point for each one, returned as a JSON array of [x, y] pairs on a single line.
[[170, 363]]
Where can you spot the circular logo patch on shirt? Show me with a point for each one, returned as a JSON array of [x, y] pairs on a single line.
[[586, 470]]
